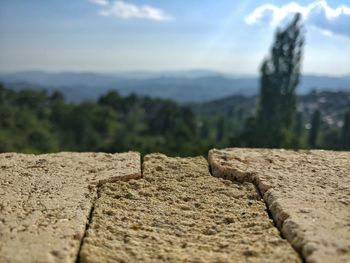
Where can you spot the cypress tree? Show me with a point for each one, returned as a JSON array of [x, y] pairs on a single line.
[[280, 75]]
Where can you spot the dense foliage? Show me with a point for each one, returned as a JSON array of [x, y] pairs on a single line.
[[33, 121]]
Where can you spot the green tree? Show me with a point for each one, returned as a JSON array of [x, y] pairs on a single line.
[[111, 99], [280, 74], [56, 97], [346, 131], [220, 129], [315, 128], [204, 130]]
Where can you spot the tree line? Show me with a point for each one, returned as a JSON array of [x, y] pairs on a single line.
[[36, 122]]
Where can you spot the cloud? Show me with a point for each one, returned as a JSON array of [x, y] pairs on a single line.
[[125, 10], [317, 14], [100, 2]]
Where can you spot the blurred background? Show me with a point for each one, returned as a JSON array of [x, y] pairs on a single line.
[[177, 77]]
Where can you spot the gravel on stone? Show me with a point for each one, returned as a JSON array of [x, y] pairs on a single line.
[[45, 201], [307, 192], [178, 212]]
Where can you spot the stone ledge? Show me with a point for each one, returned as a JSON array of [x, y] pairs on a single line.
[[178, 211]]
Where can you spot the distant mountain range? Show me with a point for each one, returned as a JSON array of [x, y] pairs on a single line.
[[181, 86]]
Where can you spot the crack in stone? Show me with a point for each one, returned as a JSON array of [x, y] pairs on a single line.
[[89, 221], [252, 178], [270, 214], [97, 195], [180, 204]]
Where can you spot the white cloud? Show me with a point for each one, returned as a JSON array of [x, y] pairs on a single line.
[[317, 14], [126, 10], [100, 2]]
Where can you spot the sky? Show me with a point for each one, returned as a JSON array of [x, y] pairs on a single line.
[[161, 35]]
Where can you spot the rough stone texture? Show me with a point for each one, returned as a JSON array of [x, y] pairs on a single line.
[[45, 201], [308, 194], [178, 212]]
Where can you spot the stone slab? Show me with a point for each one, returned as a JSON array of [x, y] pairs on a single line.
[[45, 201], [178, 212], [308, 194]]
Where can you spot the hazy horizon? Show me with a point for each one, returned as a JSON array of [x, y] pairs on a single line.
[[160, 72]]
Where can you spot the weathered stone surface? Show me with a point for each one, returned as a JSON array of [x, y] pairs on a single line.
[[178, 212], [308, 193], [45, 201]]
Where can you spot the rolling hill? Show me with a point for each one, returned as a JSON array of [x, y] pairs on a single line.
[[181, 86]]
